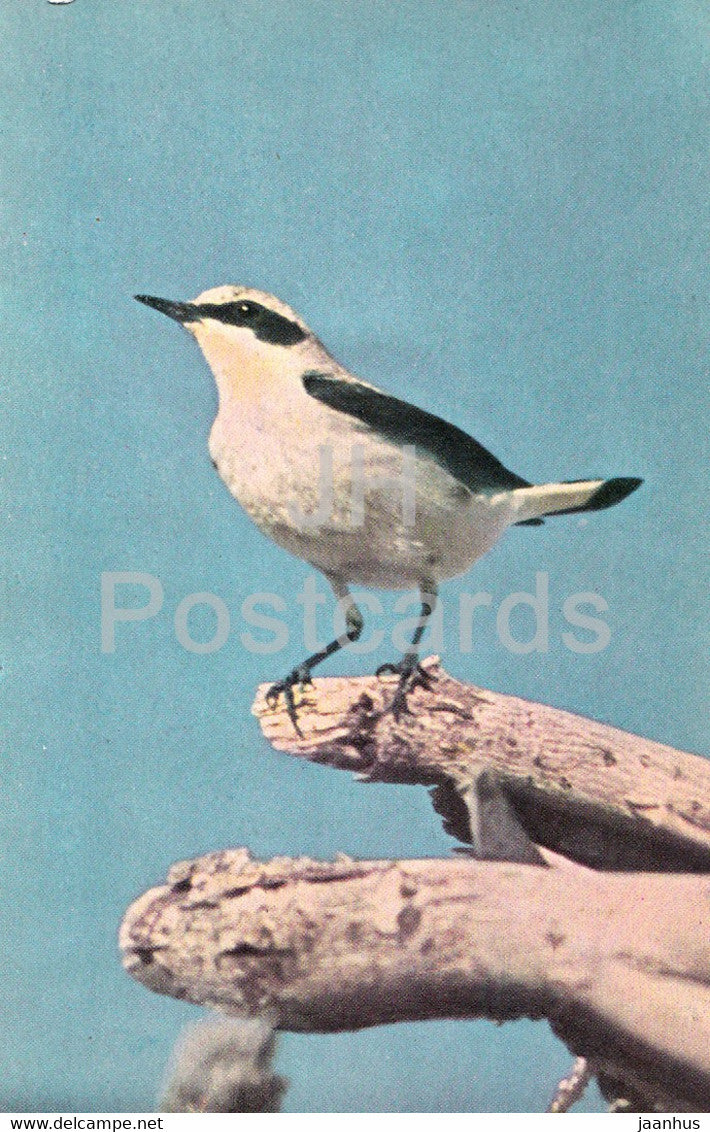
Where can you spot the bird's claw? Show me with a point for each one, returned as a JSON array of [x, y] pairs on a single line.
[[409, 670], [298, 678], [411, 676]]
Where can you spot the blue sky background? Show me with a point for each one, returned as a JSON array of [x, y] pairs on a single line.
[[497, 211]]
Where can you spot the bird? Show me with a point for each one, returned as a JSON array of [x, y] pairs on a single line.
[[368, 489]]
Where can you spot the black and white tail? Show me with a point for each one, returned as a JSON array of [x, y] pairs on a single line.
[[537, 502]]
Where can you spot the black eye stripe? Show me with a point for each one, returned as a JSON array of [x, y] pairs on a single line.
[[266, 324]]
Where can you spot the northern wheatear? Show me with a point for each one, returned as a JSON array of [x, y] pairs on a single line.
[[365, 487]]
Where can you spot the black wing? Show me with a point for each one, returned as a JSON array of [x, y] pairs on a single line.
[[462, 456]]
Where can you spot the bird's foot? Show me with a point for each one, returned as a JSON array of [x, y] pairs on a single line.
[[411, 676], [298, 678]]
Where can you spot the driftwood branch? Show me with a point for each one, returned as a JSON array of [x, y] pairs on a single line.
[[618, 963], [571, 1088], [595, 794]]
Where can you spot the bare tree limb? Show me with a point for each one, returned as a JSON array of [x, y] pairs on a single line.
[[598, 795], [571, 1089], [618, 963]]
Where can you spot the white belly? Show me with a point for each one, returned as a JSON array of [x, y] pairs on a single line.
[[304, 491]]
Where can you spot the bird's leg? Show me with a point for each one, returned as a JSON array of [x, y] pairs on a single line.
[[410, 672], [301, 675]]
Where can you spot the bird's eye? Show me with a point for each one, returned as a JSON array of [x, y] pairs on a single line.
[[246, 310]]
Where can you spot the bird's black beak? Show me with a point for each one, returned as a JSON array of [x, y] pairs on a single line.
[[181, 312]]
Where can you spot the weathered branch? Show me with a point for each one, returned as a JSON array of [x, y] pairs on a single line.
[[618, 963], [571, 1088], [596, 794]]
